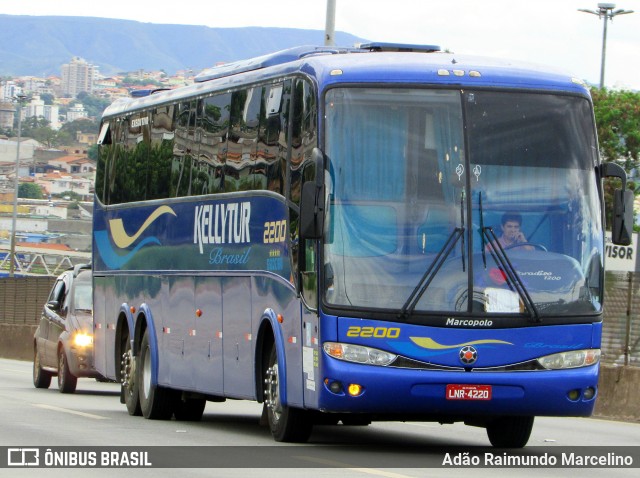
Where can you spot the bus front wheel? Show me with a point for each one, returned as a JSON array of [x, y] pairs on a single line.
[[510, 432], [287, 424]]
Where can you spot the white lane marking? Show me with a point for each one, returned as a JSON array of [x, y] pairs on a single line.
[[72, 412], [369, 471]]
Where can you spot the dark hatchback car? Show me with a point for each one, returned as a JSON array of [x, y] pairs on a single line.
[[63, 342]]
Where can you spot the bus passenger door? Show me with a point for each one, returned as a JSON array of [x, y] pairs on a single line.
[[237, 339], [207, 336]]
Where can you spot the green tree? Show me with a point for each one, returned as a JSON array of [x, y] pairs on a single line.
[[94, 105], [618, 123], [48, 98], [83, 125], [29, 191], [93, 152]]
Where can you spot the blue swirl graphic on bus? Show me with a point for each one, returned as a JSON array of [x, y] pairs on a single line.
[[116, 257], [111, 258]]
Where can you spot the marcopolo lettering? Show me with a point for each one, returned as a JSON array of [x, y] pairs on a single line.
[[469, 322], [222, 224]]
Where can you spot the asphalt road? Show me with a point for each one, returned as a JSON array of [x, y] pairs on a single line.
[[236, 444]]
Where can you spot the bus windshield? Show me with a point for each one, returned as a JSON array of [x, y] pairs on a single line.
[[473, 202]]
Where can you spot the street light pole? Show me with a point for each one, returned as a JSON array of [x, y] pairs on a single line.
[[605, 10], [330, 25], [12, 254]]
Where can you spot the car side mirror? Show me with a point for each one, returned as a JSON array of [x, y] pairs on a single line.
[[53, 305]]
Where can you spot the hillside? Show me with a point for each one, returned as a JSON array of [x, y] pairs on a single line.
[[39, 45]]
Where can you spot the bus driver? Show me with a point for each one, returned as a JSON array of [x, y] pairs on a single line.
[[511, 236]]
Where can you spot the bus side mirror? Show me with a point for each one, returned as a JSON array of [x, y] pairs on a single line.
[[311, 211], [622, 228], [312, 201]]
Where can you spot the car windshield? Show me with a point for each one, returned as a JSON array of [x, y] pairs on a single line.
[[421, 181], [82, 293]]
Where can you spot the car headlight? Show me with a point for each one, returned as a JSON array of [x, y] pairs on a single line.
[[358, 353], [82, 340], [570, 359]]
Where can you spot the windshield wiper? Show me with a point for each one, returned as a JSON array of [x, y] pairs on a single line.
[[484, 245], [430, 273], [500, 256]]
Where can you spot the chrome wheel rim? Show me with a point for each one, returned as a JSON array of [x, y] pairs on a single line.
[[127, 371], [272, 395]]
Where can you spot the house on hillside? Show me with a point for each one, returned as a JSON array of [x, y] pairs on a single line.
[[74, 164], [58, 183]]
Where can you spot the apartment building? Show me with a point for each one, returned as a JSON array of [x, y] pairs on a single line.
[[78, 76]]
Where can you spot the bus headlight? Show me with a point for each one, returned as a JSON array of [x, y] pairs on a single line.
[[82, 340], [570, 359], [358, 353]]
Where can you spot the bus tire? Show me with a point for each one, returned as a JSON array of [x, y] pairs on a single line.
[[510, 432], [66, 380], [129, 389], [287, 424], [189, 410], [156, 403], [41, 378]]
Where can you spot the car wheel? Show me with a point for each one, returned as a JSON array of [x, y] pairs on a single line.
[[66, 380], [41, 378]]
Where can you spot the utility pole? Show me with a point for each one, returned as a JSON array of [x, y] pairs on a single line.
[[12, 255], [605, 11], [330, 27]]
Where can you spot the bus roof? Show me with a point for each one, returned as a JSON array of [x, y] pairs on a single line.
[[373, 63]]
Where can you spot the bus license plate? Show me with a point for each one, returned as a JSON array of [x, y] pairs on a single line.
[[468, 392]]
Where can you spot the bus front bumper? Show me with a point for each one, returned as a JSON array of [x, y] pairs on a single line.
[[411, 392]]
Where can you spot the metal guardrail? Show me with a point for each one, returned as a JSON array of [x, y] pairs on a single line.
[[36, 261]]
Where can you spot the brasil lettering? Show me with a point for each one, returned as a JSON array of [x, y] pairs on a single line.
[[218, 257], [222, 224]]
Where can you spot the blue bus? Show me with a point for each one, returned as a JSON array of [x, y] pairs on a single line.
[[347, 235]]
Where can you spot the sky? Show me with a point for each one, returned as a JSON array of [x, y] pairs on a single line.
[[546, 32]]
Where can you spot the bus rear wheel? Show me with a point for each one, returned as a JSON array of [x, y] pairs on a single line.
[[129, 381], [287, 424], [510, 432], [156, 402]]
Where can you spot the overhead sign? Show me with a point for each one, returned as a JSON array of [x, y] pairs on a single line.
[[621, 258]]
